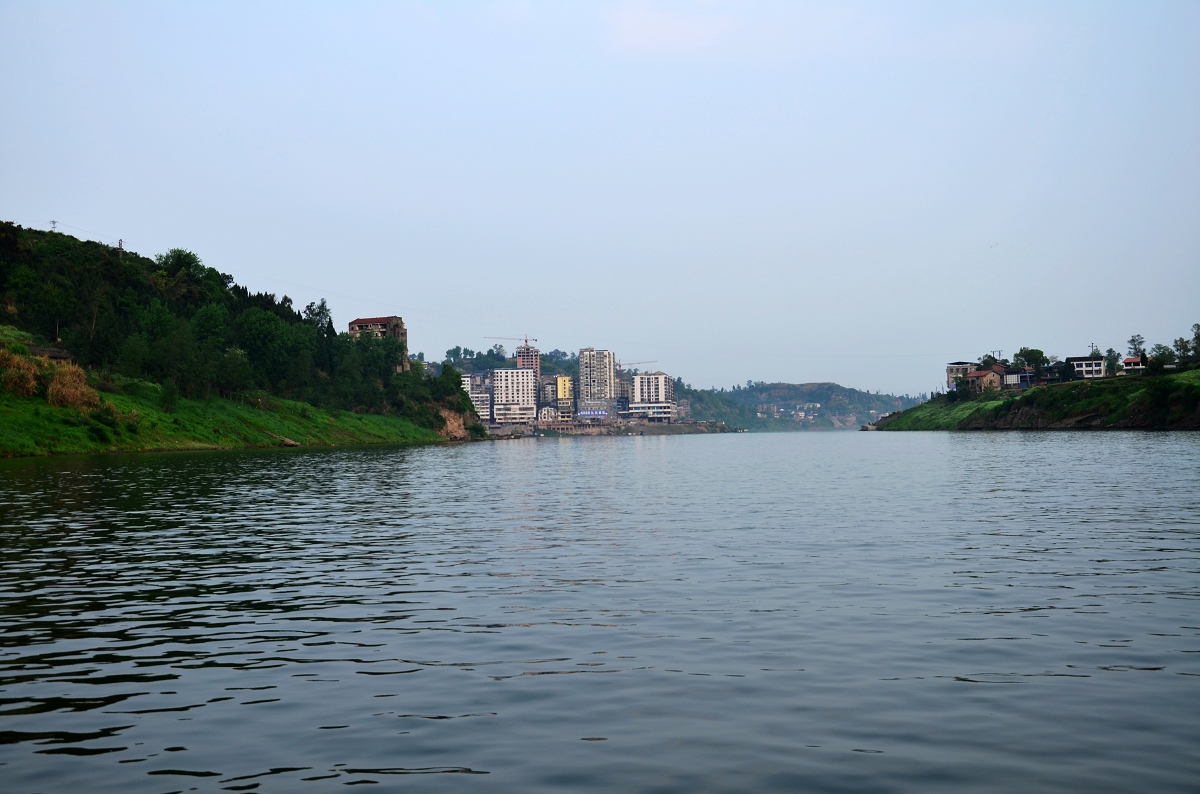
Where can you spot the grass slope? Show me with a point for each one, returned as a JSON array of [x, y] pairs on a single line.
[[1167, 401], [134, 422]]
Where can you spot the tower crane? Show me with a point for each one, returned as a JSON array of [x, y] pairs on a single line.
[[527, 338], [622, 364]]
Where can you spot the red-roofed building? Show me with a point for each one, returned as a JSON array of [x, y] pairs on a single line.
[[1134, 364], [391, 327], [982, 379]]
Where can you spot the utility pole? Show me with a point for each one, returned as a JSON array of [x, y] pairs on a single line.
[[53, 225]]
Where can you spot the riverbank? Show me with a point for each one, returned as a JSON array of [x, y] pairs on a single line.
[[632, 429], [1165, 402], [135, 421]]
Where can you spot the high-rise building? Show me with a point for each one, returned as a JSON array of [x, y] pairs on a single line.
[[547, 391], [514, 396], [597, 375], [652, 396], [528, 357], [476, 388]]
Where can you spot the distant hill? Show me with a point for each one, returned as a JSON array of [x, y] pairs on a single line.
[[834, 406]]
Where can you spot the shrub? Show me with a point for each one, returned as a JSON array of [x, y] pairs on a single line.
[[106, 415], [20, 374], [169, 396], [68, 386]]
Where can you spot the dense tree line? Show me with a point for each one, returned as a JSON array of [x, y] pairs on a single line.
[[174, 320]]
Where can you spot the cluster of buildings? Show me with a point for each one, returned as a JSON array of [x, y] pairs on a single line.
[[601, 393], [801, 412], [999, 377]]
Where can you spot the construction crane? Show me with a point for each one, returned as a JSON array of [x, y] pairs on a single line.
[[622, 364], [527, 338]]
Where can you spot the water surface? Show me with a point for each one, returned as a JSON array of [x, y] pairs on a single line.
[[820, 612]]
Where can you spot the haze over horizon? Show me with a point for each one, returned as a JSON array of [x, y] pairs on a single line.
[[848, 192]]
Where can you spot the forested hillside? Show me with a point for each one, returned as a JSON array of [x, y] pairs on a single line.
[[175, 321]]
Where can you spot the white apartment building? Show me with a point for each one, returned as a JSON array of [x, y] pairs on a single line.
[[476, 388], [597, 375], [653, 387], [514, 396], [652, 396], [1087, 366]]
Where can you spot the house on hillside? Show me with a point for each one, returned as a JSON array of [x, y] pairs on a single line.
[[1018, 378], [391, 327], [956, 370], [54, 355], [1133, 364], [1086, 366], [983, 379]]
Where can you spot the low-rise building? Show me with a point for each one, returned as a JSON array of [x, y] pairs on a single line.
[[547, 413], [1134, 364], [983, 379], [1087, 366], [514, 396], [564, 396], [594, 411], [956, 370], [1019, 378]]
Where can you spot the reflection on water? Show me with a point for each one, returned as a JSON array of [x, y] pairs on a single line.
[[905, 612]]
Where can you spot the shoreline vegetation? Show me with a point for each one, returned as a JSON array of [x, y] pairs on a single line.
[[135, 421], [1168, 401]]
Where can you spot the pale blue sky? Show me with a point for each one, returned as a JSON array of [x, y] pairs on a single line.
[[855, 192]]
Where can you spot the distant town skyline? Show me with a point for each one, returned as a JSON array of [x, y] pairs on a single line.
[[793, 192]]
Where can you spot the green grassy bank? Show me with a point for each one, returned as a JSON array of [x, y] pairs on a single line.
[[1165, 402], [134, 421]]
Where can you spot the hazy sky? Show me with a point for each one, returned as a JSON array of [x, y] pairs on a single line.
[[856, 192]]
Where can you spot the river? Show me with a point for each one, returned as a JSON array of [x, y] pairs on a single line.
[[906, 612]]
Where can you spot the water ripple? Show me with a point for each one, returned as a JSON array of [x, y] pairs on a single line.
[[825, 612]]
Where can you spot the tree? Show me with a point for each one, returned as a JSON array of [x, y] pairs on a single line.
[[1183, 348], [1162, 354], [1031, 357], [179, 259], [1137, 346], [317, 314], [1112, 360]]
